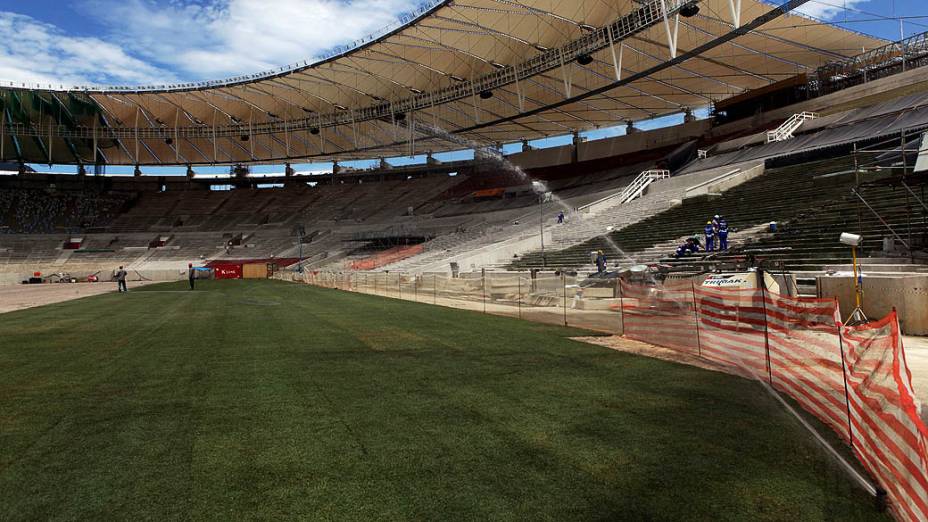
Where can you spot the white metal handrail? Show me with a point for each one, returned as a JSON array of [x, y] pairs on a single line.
[[633, 190], [786, 130]]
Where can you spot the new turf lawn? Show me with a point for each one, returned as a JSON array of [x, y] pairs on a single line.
[[276, 401]]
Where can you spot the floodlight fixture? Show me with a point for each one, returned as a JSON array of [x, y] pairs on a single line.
[[689, 10], [851, 240]]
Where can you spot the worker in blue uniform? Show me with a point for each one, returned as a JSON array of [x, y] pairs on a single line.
[[709, 231], [690, 246], [723, 234]]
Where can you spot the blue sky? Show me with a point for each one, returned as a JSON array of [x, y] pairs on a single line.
[[137, 42]]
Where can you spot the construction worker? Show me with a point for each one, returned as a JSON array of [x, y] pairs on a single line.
[[120, 277], [600, 261], [191, 275], [690, 246], [710, 231], [723, 234]]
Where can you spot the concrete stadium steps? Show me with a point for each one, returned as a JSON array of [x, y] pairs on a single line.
[[750, 204]]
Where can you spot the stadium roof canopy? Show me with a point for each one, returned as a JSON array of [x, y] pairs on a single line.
[[455, 73]]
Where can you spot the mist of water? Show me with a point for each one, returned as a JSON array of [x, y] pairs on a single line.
[[498, 157]]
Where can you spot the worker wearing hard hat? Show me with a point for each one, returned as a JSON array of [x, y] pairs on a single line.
[[709, 231]]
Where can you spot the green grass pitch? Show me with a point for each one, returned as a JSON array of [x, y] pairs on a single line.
[[268, 400]]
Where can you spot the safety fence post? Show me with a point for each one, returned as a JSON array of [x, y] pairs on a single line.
[[519, 297], [375, 284], [399, 286], [564, 291], [847, 395], [763, 295], [696, 313], [415, 288], [483, 287], [434, 289], [621, 291]]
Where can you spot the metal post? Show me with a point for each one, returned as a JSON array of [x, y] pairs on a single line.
[[618, 283], [564, 290], [847, 396], [857, 280], [519, 297], [908, 204], [763, 293], [415, 288], [299, 232], [483, 287], [399, 286], [435, 289], [696, 313], [375, 284]]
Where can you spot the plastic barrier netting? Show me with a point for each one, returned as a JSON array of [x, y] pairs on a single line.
[[854, 379], [661, 315], [888, 435]]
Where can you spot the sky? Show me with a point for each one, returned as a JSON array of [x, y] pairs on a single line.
[[140, 42]]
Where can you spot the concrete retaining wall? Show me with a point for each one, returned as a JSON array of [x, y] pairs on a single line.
[[907, 294]]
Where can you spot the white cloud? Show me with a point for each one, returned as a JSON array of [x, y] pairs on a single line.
[[220, 38], [32, 51], [149, 42], [829, 10]]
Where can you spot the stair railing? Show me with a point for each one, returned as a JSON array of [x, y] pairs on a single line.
[[786, 130], [631, 191]]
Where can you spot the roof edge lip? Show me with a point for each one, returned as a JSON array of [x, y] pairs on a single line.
[[404, 21]]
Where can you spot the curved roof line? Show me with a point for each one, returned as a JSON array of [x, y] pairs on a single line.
[[405, 20]]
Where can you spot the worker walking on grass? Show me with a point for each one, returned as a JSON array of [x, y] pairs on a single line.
[[121, 280], [191, 275], [709, 230]]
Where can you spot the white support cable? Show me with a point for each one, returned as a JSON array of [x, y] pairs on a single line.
[[564, 74], [616, 61], [671, 33], [735, 6]]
